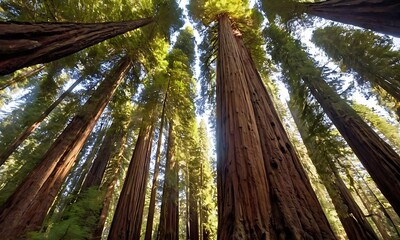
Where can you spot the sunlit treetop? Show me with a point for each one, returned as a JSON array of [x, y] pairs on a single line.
[[208, 11]]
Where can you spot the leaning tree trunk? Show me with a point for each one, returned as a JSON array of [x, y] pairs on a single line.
[[27, 72], [378, 158], [169, 216], [26, 44], [350, 214], [25, 134], [26, 209], [378, 15], [127, 219], [243, 193], [295, 210]]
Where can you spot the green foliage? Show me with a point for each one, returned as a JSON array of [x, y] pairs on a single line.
[[79, 219]]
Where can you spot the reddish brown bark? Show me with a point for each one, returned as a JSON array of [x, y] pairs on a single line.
[[26, 209], [193, 209], [19, 78], [350, 214], [107, 149], [128, 214], [378, 158], [110, 189], [295, 210], [152, 204], [169, 216], [25, 134], [26, 44], [379, 15], [243, 211]]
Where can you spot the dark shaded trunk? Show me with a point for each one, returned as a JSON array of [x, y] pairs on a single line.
[[295, 210], [25, 134], [152, 204], [106, 151], [19, 78], [110, 185], [350, 214], [127, 219], [378, 158], [169, 216], [193, 208], [26, 44], [378, 15], [26, 209], [243, 210]]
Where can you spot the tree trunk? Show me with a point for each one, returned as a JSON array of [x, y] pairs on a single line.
[[128, 214], [25, 134], [289, 187], [110, 188], [20, 77], [26, 44], [107, 149], [243, 194], [350, 214], [26, 209], [378, 158], [152, 204], [193, 209], [378, 15], [169, 216]]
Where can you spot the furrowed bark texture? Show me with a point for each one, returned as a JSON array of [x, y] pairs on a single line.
[[350, 214], [26, 44], [128, 214], [295, 210], [378, 15], [27, 132], [243, 211], [26, 209], [169, 216], [378, 158]]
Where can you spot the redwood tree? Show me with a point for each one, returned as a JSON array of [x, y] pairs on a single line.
[[26, 44], [128, 214], [378, 158], [26, 209]]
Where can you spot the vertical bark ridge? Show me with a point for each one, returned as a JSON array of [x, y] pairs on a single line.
[[243, 210], [289, 185], [26, 209], [128, 214]]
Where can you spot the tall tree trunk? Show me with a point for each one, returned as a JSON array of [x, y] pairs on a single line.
[[105, 153], [25, 134], [375, 217], [193, 208], [26, 44], [128, 214], [20, 77], [243, 194], [26, 209], [295, 210], [350, 214], [152, 204], [169, 216], [379, 15], [110, 185], [378, 158]]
